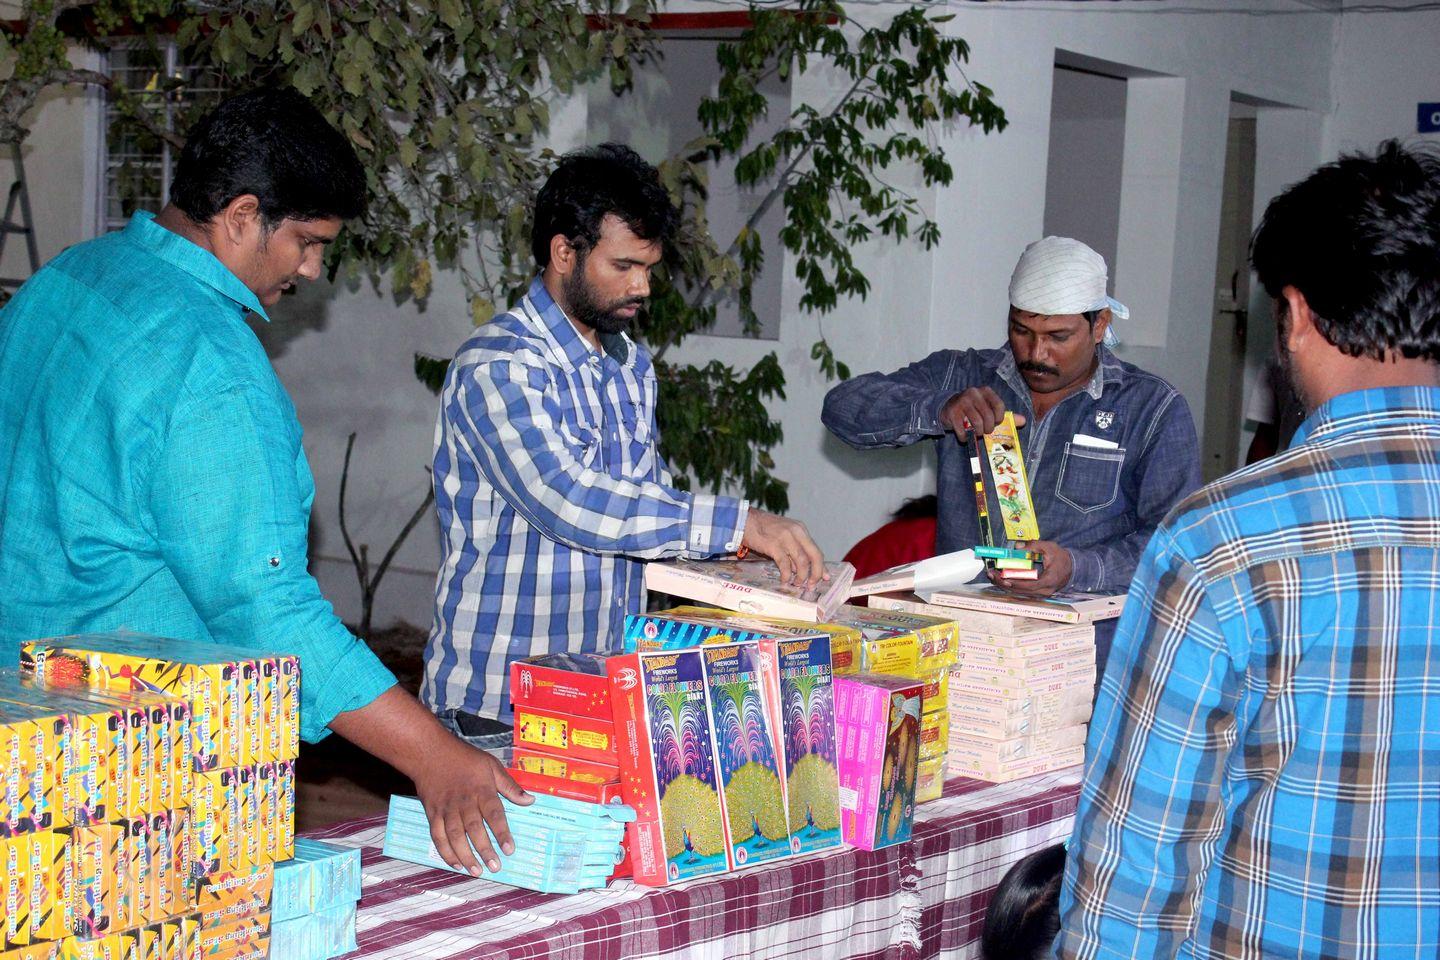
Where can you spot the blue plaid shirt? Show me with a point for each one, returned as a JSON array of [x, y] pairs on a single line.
[[1263, 774], [551, 494]]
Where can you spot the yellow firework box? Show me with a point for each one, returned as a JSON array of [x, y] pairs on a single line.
[[105, 948], [36, 951], [52, 887], [934, 735], [137, 886], [162, 867], [930, 780], [207, 676], [251, 852], [209, 820], [34, 746], [284, 810], [15, 871], [182, 877], [86, 788], [187, 939], [264, 825], [272, 722], [844, 639], [289, 707], [936, 639], [1012, 486], [228, 896], [95, 855], [243, 938], [252, 749]]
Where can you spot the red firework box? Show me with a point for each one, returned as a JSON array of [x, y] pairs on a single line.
[[562, 776], [561, 705]]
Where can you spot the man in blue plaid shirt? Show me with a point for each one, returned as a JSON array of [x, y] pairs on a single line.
[[548, 478], [1262, 775]]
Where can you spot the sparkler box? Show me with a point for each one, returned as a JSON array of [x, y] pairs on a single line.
[[15, 877], [562, 776], [230, 895], [49, 950], [74, 948], [978, 752], [798, 678], [844, 640], [585, 738], [315, 936], [667, 766], [34, 744], [1018, 769], [86, 787], [573, 683], [52, 885], [320, 876], [892, 636], [930, 780], [752, 798], [665, 631], [996, 717], [878, 717], [95, 854]]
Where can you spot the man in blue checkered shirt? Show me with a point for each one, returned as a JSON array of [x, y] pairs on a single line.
[[548, 478], [1262, 775]]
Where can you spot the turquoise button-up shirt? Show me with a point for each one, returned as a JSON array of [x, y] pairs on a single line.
[[151, 473]]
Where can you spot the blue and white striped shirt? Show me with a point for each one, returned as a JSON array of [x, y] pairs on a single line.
[[1263, 769], [551, 493]]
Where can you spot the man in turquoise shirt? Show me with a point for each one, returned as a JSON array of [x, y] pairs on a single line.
[[151, 472]]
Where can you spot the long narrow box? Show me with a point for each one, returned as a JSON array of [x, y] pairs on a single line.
[[667, 766], [879, 716], [34, 745], [844, 640], [315, 936], [661, 631], [562, 776], [979, 752], [585, 738], [751, 796], [799, 677], [95, 853]]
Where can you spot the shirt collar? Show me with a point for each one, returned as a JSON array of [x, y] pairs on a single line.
[[1359, 409], [562, 333], [1109, 370], [198, 262]]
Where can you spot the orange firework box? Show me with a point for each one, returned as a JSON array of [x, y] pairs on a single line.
[[585, 738], [88, 774], [105, 948], [137, 886], [573, 683], [49, 950], [228, 896], [95, 855], [52, 885], [34, 752], [15, 877], [205, 675], [284, 848]]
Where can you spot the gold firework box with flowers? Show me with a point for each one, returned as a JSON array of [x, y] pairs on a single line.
[[844, 639], [798, 680], [207, 676], [878, 719], [667, 765], [1012, 486], [742, 732]]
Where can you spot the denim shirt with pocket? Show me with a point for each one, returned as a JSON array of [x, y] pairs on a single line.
[[1105, 464]]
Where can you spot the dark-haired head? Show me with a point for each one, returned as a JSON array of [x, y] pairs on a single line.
[[1360, 240], [1023, 918], [271, 143], [601, 224]]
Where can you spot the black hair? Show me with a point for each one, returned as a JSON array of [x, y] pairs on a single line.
[[917, 507], [272, 143], [1360, 238], [1023, 918], [593, 182]]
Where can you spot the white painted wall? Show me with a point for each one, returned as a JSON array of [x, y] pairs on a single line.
[[345, 353]]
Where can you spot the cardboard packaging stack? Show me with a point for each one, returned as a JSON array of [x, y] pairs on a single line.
[[148, 791], [313, 908], [1020, 692]]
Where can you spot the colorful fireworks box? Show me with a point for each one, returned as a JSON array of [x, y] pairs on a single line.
[[88, 768], [34, 744], [908, 644], [235, 697], [573, 683], [667, 766], [315, 936], [752, 798], [561, 846], [585, 738], [800, 698], [228, 896], [562, 776], [878, 720], [666, 631], [320, 877], [930, 780], [37, 951], [247, 938], [844, 640]]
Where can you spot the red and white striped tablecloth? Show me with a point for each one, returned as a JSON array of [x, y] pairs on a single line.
[[924, 898]]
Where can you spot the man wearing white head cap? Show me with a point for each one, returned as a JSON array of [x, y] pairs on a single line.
[[1108, 447]]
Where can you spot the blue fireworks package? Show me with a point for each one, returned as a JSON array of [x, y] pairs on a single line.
[[320, 876], [751, 797], [799, 679]]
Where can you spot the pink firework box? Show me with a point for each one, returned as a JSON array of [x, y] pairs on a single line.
[[878, 717]]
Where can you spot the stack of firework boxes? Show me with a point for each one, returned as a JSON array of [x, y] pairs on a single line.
[[148, 791], [1020, 691], [315, 897], [727, 742], [565, 743]]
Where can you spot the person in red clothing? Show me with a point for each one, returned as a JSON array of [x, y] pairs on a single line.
[[909, 536]]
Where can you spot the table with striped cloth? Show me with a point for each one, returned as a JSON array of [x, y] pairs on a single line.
[[925, 898]]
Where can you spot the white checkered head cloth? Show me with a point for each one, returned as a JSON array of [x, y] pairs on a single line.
[[1059, 275]]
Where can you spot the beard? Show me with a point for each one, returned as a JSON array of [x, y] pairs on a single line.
[[585, 306], [1289, 375]]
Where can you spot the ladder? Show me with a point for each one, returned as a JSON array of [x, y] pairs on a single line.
[[19, 197]]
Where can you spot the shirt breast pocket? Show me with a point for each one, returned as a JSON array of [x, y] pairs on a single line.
[[1090, 477]]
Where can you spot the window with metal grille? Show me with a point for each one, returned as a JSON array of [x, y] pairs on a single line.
[[137, 163]]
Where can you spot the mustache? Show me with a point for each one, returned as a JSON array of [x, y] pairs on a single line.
[[1031, 367]]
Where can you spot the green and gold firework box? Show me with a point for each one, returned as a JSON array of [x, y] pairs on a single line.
[[207, 676], [845, 640], [667, 766], [751, 797], [799, 678]]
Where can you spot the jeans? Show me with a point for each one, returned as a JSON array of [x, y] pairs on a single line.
[[483, 733]]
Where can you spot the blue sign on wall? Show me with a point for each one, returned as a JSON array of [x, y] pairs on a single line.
[[1428, 118]]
